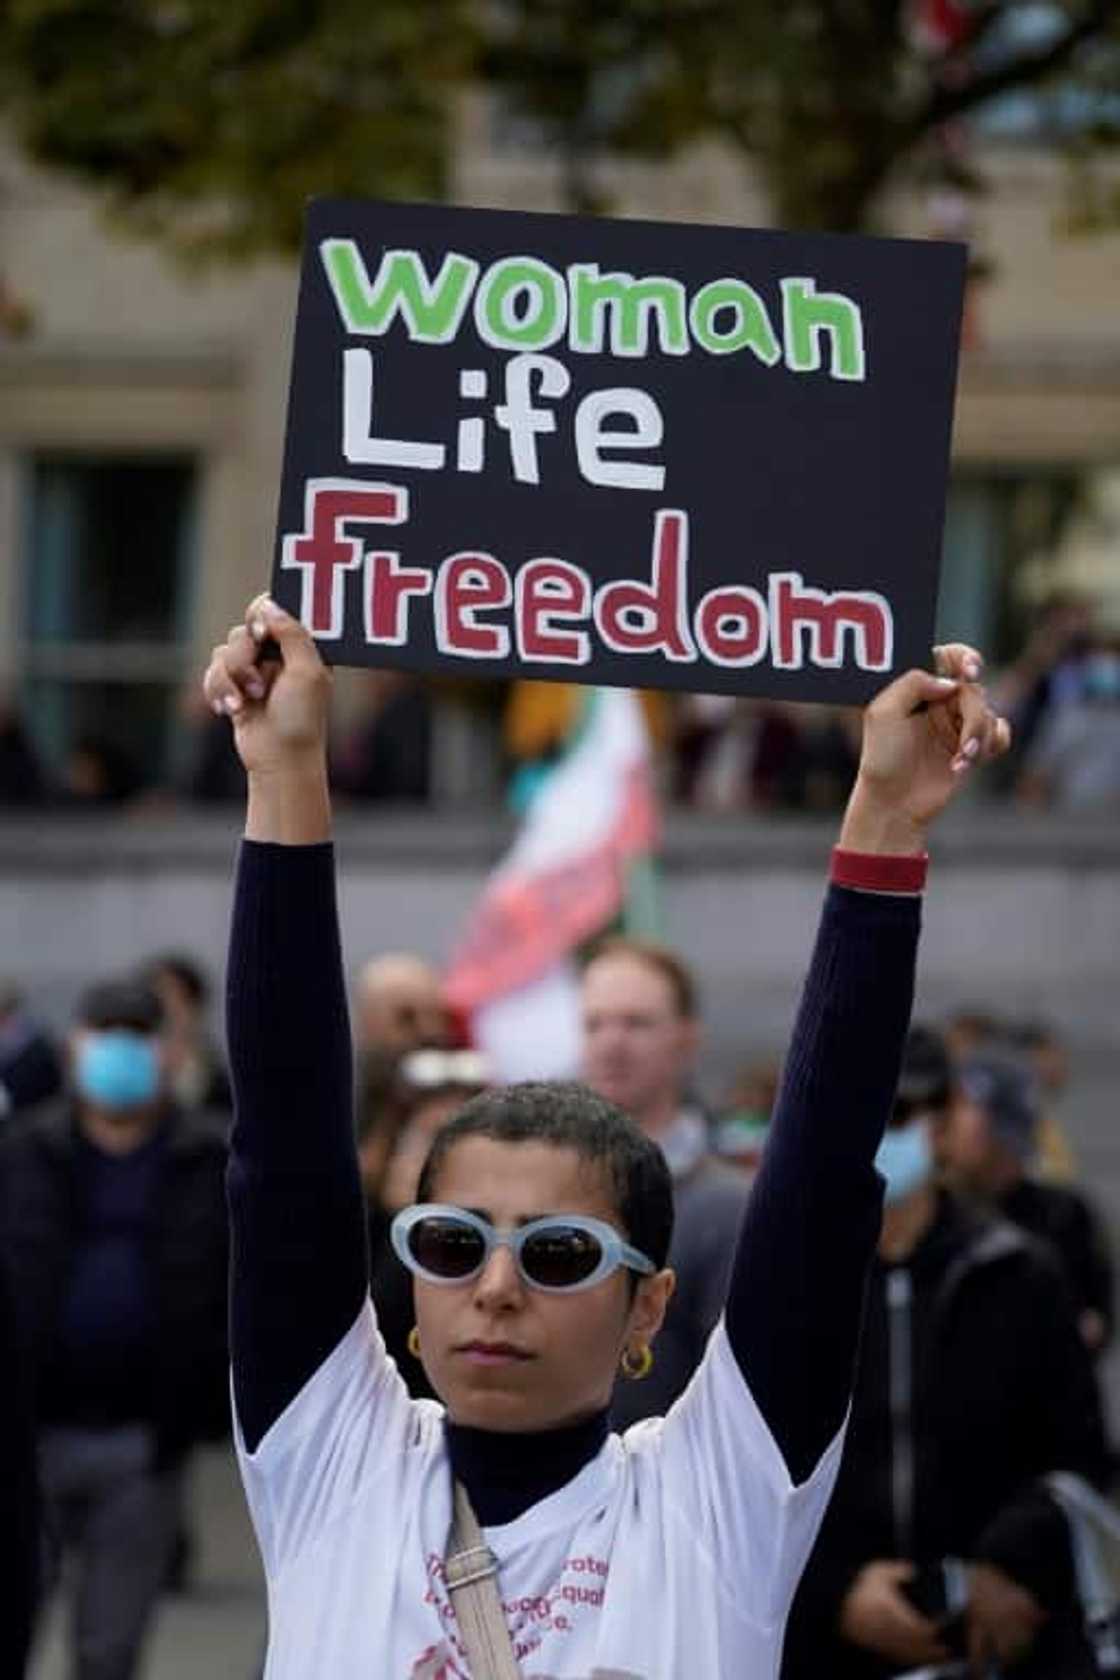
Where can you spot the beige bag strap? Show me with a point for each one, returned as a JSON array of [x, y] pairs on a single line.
[[472, 1580]]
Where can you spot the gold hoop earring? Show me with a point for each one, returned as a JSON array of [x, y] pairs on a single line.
[[414, 1342], [637, 1365]]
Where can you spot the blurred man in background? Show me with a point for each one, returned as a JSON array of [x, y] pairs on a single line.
[[972, 1032], [195, 1067], [640, 1039], [114, 1230], [199, 1083], [1074, 760], [1047, 1056], [1046, 674], [972, 1384], [987, 1149], [398, 1008], [400, 1004]]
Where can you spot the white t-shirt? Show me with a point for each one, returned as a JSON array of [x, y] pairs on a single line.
[[672, 1555]]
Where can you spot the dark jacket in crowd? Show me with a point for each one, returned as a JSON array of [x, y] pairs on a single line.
[[972, 1384], [708, 1203], [30, 1066], [43, 1166], [1060, 1216], [19, 1538]]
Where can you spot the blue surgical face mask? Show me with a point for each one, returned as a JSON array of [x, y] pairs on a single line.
[[118, 1069], [905, 1160]]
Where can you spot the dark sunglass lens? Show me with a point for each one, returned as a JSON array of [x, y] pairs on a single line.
[[446, 1247], [561, 1256]]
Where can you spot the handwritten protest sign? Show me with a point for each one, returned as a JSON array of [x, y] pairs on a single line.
[[618, 452]]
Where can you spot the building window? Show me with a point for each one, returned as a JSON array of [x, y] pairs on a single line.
[[1002, 553], [109, 553]]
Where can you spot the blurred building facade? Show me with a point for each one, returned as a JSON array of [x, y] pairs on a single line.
[[142, 413]]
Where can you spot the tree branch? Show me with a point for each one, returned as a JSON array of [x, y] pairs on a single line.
[[980, 24], [949, 102]]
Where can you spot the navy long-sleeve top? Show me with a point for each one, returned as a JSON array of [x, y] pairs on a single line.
[[299, 1265]]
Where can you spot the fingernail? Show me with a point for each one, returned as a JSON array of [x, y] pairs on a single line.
[[959, 765], [258, 630], [945, 682], [254, 687], [971, 748], [232, 703], [217, 708], [971, 670]]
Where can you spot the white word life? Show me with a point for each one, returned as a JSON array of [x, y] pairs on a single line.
[[619, 418]]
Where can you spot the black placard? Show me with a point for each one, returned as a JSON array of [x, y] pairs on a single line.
[[618, 452]]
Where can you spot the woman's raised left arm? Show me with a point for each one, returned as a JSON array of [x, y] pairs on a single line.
[[796, 1293]]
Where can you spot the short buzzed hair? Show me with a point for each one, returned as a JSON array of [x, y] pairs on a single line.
[[662, 959], [568, 1115]]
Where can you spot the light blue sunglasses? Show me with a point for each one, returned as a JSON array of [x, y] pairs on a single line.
[[559, 1254]]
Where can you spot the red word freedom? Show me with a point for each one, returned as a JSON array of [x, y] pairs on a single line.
[[548, 610]]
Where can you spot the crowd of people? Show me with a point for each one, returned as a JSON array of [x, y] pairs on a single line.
[[932, 1535], [990, 1305], [990, 1302], [114, 1255], [1061, 692]]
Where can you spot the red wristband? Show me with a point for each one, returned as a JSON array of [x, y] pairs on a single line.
[[873, 872]]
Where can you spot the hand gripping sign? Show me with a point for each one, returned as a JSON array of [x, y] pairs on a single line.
[[618, 452]]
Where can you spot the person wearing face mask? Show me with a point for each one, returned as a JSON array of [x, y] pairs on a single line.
[[941, 1544], [987, 1151], [1074, 765], [112, 1218]]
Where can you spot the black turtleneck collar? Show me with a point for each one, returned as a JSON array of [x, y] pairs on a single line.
[[506, 1473]]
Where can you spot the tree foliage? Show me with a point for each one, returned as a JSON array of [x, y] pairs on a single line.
[[214, 120], [827, 98]]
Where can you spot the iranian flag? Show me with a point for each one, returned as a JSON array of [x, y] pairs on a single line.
[[583, 844]]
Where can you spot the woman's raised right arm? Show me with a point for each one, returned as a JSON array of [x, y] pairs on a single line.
[[299, 1268]]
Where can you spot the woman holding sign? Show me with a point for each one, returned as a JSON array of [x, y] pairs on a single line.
[[538, 1253]]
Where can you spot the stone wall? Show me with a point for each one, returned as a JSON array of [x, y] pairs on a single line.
[[1022, 917]]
